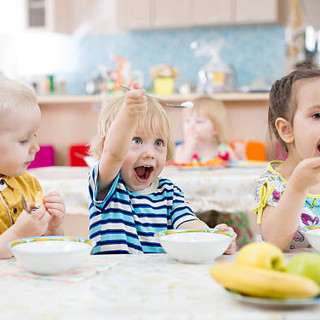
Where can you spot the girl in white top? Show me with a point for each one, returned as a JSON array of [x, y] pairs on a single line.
[[204, 129], [288, 192]]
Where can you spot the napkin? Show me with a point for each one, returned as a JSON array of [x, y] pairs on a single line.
[[87, 270]]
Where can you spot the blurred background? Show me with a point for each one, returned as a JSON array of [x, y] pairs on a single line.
[[81, 47]]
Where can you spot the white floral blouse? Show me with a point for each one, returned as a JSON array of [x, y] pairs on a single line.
[[268, 191]]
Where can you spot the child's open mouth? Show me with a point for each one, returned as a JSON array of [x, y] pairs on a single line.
[[143, 173]]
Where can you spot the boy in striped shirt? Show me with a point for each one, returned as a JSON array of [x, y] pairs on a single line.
[[129, 202]]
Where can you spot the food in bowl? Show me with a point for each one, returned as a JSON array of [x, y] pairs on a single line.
[[195, 245], [51, 255], [312, 233]]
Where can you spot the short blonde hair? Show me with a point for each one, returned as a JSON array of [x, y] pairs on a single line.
[[154, 120], [213, 109], [14, 94]]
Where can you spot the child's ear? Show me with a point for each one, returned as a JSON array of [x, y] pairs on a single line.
[[285, 130]]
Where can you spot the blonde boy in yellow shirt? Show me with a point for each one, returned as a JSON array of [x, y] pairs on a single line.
[[19, 121]]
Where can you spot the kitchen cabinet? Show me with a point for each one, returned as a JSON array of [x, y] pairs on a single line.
[[190, 13], [211, 12], [172, 14], [135, 14], [215, 12], [151, 14], [255, 11], [106, 16], [49, 15]]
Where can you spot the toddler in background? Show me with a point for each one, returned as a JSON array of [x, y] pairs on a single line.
[[129, 202], [288, 192], [204, 132], [205, 138], [20, 120]]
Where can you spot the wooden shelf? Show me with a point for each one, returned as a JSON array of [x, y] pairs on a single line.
[[231, 96]]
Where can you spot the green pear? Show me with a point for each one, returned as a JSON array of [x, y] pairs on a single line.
[[262, 255], [306, 264]]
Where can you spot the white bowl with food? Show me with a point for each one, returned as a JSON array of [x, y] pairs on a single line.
[[51, 255], [195, 245], [312, 233]]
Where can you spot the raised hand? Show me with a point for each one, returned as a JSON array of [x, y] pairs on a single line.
[[136, 100]]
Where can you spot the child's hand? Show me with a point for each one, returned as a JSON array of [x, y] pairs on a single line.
[[31, 224], [54, 205], [136, 100], [233, 246], [306, 175]]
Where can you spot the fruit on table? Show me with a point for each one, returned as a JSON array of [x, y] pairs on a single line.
[[261, 255], [264, 283], [305, 264]]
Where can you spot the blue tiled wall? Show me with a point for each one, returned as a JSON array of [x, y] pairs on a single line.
[[254, 52]]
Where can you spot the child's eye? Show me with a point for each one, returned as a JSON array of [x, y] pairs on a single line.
[[316, 116], [159, 143], [136, 140], [24, 141]]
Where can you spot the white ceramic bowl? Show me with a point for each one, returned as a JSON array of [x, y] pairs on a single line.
[[312, 233], [51, 255], [195, 245]]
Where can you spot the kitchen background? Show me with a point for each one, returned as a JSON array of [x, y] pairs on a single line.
[[254, 51], [67, 49]]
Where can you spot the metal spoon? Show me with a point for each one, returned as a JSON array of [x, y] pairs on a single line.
[[187, 104], [24, 203]]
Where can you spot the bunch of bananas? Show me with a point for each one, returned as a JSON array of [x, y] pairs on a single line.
[[259, 271]]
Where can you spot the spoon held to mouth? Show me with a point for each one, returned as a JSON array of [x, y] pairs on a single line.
[[186, 104]]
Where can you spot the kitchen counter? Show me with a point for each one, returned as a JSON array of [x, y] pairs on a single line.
[[228, 96], [68, 120]]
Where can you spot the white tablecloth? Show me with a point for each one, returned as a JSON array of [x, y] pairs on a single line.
[[141, 287], [227, 189]]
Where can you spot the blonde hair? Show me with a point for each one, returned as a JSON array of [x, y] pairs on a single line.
[[14, 94], [154, 120], [214, 110]]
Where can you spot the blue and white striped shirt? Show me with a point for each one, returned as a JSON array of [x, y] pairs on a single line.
[[125, 221]]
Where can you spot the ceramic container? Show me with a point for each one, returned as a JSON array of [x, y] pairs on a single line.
[[51, 255], [312, 233], [195, 245]]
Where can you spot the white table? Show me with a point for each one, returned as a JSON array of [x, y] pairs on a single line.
[[138, 287], [227, 189]]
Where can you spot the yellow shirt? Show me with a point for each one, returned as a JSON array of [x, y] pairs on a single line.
[[11, 191]]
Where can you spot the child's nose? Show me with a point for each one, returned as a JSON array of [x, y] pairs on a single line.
[[35, 147], [149, 152]]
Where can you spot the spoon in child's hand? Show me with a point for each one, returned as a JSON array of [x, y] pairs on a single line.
[[187, 104], [24, 203]]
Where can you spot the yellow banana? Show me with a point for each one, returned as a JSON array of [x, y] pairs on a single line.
[[266, 283]]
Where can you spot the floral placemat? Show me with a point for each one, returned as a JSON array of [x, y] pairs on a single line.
[[87, 270]]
